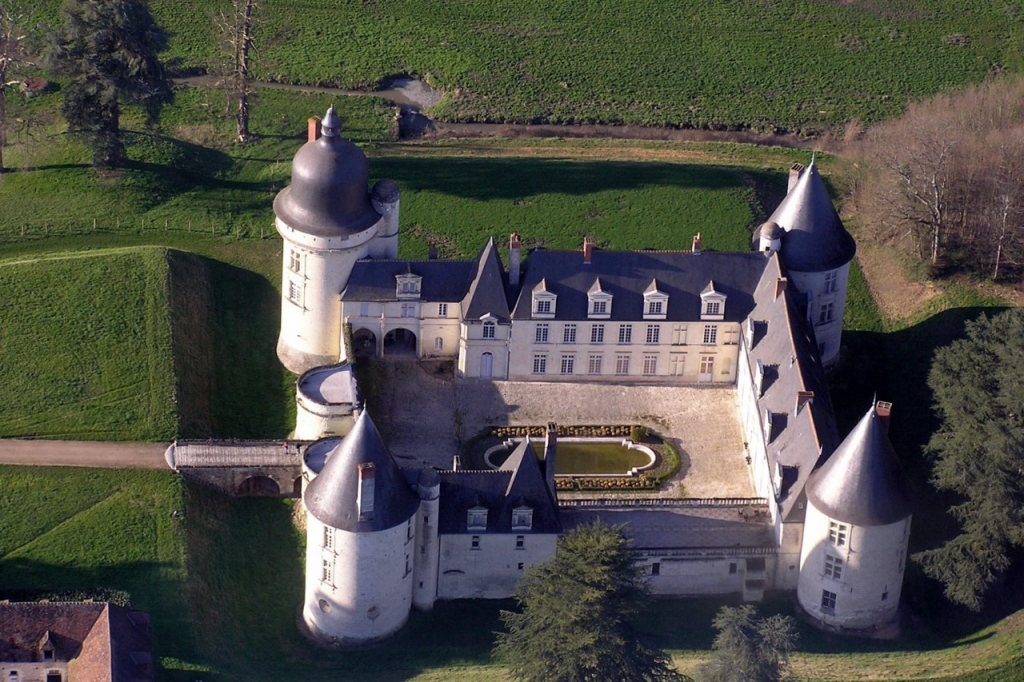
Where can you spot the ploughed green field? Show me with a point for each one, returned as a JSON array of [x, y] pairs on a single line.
[[791, 64]]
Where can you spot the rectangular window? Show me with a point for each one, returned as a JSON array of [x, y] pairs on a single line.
[[474, 542], [442, 310], [408, 310], [650, 365], [837, 533], [295, 261], [828, 600], [439, 343], [540, 334], [594, 364], [653, 333], [597, 333], [655, 307], [328, 538], [710, 334], [679, 335], [622, 364], [833, 567], [568, 363], [569, 333], [540, 364], [489, 328], [327, 572], [831, 282], [707, 366], [732, 568], [600, 307], [364, 309], [825, 313], [544, 306], [520, 542], [625, 333], [677, 364], [294, 292], [521, 565], [714, 308]]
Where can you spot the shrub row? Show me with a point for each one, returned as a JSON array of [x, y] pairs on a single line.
[[582, 431]]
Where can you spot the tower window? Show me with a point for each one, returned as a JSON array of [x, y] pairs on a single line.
[[295, 261], [826, 312], [294, 292], [833, 567], [474, 542], [828, 601], [520, 542], [328, 538], [831, 282], [327, 572], [442, 310], [837, 533]]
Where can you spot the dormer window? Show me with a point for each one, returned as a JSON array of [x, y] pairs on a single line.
[[522, 518], [407, 286], [489, 328], [476, 518], [599, 306], [543, 301], [712, 303], [655, 302]]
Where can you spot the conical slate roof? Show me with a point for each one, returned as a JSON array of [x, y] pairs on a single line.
[[814, 239], [486, 294], [862, 483], [332, 497], [329, 194]]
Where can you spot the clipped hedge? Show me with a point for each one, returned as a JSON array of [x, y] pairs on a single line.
[[579, 431]]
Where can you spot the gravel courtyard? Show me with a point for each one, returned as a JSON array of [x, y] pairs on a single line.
[[424, 416]]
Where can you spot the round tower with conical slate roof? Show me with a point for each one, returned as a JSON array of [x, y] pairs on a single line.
[[816, 250], [361, 528], [328, 219], [856, 530]]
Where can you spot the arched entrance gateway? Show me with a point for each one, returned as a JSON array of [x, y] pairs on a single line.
[[364, 343], [400, 342]]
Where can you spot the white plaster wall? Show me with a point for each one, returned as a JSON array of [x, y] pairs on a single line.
[[424, 590], [753, 436], [787, 558], [874, 559], [813, 283], [31, 672], [472, 346], [690, 576], [686, 343], [370, 577], [313, 420], [493, 570], [385, 244], [427, 325]]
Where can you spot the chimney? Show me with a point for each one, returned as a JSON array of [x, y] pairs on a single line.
[[780, 286], [367, 473], [794, 176], [432, 252], [313, 128], [696, 243], [456, 463], [514, 249], [803, 398], [588, 250], [550, 443], [883, 410]]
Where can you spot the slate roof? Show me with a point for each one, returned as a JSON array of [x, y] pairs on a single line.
[[862, 483], [681, 275], [486, 294], [332, 497], [814, 239], [519, 482], [329, 193], [786, 347], [443, 281]]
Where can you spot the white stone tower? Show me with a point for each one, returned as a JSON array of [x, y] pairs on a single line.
[[856, 530], [328, 219], [816, 250], [360, 542]]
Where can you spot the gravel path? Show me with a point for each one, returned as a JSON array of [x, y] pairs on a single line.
[[83, 454]]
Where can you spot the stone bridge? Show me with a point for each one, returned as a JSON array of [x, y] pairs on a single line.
[[261, 468]]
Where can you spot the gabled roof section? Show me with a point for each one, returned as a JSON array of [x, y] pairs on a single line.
[[862, 483], [626, 275], [596, 287], [374, 280], [332, 497], [814, 239], [652, 288], [486, 294]]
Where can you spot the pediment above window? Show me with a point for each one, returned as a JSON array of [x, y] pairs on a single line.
[[712, 303], [655, 302], [544, 301], [599, 302], [408, 286]]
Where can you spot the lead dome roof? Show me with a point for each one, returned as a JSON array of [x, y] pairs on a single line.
[[814, 239], [862, 483], [329, 193]]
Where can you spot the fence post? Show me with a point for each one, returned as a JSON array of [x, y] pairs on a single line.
[[93, 224], [190, 225]]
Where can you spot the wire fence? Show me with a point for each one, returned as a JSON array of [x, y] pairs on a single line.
[[27, 230]]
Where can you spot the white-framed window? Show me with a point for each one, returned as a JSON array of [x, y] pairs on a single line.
[[442, 310], [710, 334], [439, 343], [540, 363], [540, 333], [833, 567], [677, 364], [679, 335], [707, 364], [569, 333], [653, 333], [650, 365], [828, 600], [544, 306], [655, 307], [568, 364], [408, 310], [837, 533], [599, 308], [328, 538], [714, 308], [831, 282], [594, 364], [625, 333], [327, 571], [597, 333], [295, 261], [520, 542], [488, 332], [622, 364], [825, 312], [407, 285], [294, 292]]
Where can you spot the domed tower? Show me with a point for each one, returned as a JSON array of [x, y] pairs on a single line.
[[328, 220], [856, 530], [816, 250], [361, 527]]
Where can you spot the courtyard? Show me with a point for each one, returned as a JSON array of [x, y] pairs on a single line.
[[425, 415]]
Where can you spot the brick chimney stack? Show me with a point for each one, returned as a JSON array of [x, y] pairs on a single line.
[[780, 286], [313, 128], [588, 250], [515, 246], [883, 410], [696, 243]]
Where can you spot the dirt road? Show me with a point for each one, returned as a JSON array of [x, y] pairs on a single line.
[[83, 454]]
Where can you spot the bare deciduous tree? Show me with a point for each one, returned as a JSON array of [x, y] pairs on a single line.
[[14, 16], [236, 27]]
